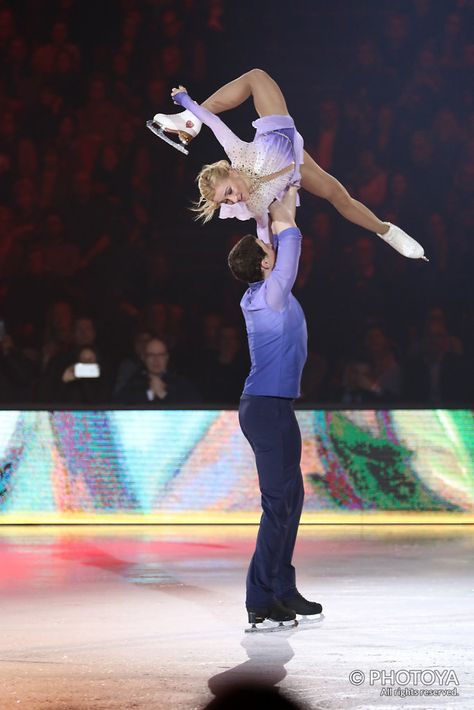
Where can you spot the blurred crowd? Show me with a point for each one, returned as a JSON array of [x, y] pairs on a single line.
[[101, 262]]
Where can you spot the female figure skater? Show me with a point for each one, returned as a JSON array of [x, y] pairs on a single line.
[[261, 171]]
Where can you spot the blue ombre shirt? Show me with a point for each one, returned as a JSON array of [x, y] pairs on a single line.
[[276, 326]]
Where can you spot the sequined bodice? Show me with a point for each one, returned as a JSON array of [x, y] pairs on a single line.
[[270, 154]]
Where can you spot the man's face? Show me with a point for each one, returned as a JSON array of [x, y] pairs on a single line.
[[156, 357], [268, 261]]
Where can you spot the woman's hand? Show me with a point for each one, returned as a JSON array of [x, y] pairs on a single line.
[[178, 90], [68, 374]]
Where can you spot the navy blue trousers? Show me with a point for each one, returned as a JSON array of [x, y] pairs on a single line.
[[270, 426]]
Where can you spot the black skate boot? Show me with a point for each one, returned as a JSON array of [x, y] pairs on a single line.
[[308, 610], [275, 617]]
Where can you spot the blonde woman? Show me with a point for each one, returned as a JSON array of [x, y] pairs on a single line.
[[261, 171]]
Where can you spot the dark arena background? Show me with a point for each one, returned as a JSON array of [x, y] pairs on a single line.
[[128, 515]]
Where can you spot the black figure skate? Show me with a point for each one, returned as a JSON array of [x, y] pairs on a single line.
[[276, 617], [308, 611]]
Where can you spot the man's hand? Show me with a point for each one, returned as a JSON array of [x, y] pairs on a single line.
[[157, 386]]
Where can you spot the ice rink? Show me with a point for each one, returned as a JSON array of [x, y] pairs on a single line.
[[153, 617]]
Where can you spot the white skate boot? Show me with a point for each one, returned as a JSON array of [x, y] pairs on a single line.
[[403, 243], [185, 125]]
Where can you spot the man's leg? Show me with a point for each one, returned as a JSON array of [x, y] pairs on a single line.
[[286, 579], [264, 421]]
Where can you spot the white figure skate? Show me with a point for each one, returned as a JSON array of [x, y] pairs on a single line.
[[185, 125], [403, 243]]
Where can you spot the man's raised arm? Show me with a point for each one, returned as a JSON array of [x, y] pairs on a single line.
[[287, 241]]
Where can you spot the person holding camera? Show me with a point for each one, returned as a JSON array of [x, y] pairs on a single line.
[[84, 381]]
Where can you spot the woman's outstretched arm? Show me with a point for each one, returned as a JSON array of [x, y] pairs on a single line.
[[222, 132]]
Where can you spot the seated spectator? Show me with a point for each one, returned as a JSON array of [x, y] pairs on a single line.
[[99, 115], [133, 364], [437, 314], [223, 376], [206, 337], [399, 201], [62, 354], [46, 57], [157, 318], [361, 288], [358, 385], [437, 375], [17, 372], [155, 383], [78, 389], [370, 180], [61, 256], [385, 368], [312, 380], [385, 138], [58, 330]]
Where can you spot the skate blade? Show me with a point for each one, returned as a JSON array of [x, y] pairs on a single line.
[[158, 131], [269, 626], [313, 619]]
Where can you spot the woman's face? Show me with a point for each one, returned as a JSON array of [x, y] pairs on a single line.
[[87, 356], [232, 189]]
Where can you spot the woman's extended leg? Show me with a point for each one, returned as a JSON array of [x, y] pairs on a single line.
[[265, 92], [318, 182]]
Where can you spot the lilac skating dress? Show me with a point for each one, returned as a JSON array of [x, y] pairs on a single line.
[[277, 144]]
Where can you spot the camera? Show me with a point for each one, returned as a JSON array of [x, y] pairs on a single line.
[[82, 369]]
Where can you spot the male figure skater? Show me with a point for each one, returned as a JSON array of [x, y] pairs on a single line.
[[277, 337]]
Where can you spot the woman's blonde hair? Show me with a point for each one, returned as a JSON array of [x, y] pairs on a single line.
[[207, 181]]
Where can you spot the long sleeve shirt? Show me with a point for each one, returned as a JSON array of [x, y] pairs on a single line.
[[277, 145], [276, 326]]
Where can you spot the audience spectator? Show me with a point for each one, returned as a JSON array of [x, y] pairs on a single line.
[[17, 372], [79, 387], [313, 379], [58, 331], [385, 368], [131, 365], [225, 371], [437, 375], [370, 180], [63, 351], [358, 385], [155, 383], [437, 315], [61, 256], [46, 57]]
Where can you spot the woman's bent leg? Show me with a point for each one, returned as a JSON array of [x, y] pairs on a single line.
[[267, 96]]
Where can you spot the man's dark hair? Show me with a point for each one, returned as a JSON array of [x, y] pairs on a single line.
[[245, 260]]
